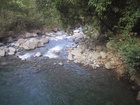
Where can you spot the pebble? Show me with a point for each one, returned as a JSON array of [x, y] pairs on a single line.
[[61, 64]]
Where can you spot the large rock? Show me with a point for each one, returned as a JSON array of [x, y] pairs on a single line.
[[26, 45], [44, 40], [98, 48], [2, 52], [11, 51], [30, 44], [27, 35], [109, 65], [21, 41], [40, 44], [103, 54], [70, 57], [95, 55], [76, 52], [34, 41], [38, 54]]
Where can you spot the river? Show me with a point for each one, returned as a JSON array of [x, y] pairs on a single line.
[[43, 81]]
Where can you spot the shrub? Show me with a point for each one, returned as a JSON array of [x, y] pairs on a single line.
[[129, 47]]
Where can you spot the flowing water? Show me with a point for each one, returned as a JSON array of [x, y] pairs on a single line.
[[42, 81]]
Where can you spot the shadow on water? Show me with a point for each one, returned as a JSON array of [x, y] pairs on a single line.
[[42, 81]]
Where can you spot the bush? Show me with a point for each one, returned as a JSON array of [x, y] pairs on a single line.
[[104, 15], [19, 15], [129, 47]]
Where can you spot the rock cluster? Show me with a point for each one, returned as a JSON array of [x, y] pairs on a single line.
[[7, 51], [29, 42], [90, 54], [32, 43]]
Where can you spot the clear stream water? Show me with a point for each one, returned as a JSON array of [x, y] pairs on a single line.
[[42, 81]]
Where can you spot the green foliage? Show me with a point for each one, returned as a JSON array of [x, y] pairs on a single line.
[[18, 15], [118, 17], [50, 13], [129, 47], [104, 15]]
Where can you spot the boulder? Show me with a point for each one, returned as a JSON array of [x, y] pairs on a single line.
[[70, 57], [27, 35], [109, 65], [20, 41], [103, 54], [44, 40], [11, 51], [34, 41], [55, 30], [76, 31], [60, 63], [26, 45], [38, 54], [30, 44], [17, 44], [49, 34], [76, 52], [98, 48], [40, 44], [2, 52], [95, 56]]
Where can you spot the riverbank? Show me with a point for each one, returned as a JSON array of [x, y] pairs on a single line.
[[101, 53]]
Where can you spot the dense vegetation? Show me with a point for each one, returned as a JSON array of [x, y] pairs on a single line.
[[19, 15], [117, 19]]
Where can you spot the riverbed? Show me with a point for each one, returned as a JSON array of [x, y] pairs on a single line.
[[52, 80]]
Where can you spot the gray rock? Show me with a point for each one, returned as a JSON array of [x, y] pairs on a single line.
[[30, 44], [11, 51], [76, 52], [70, 57], [21, 41], [61, 64], [2, 52], [40, 44], [95, 55], [98, 48], [44, 40], [103, 54], [27, 35], [38, 54], [76, 31], [108, 65], [55, 29]]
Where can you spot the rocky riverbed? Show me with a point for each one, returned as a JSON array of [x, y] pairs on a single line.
[[59, 45]]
